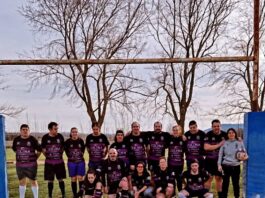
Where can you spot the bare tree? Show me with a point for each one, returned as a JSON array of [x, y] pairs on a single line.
[[85, 29], [185, 28], [5, 108], [237, 78]]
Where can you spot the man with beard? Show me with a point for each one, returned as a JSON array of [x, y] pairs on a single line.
[[157, 144], [213, 141], [113, 172]]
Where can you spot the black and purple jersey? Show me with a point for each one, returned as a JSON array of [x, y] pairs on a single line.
[[25, 149], [122, 149], [176, 149], [54, 147], [74, 150], [195, 145], [113, 171], [141, 181], [157, 142], [136, 145], [213, 139], [195, 182], [96, 146], [163, 178], [89, 188]]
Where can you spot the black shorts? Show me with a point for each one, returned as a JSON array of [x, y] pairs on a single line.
[[54, 169], [27, 172], [211, 167], [113, 187], [153, 165], [197, 193]]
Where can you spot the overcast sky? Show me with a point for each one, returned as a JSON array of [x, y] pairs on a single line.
[[16, 39]]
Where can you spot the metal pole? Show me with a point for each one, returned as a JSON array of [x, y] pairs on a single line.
[[126, 61], [3, 170], [255, 101]]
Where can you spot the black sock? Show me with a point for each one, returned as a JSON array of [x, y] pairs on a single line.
[[220, 195], [61, 185], [74, 188], [50, 188], [81, 184]]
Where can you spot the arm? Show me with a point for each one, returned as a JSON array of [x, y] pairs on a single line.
[[209, 147], [220, 156]]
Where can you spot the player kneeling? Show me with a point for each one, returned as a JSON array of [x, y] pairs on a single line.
[[194, 180], [92, 187]]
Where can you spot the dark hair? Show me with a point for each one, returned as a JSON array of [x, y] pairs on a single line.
[[216, 121], [157, 122], [118, 132], [193, 122], [94, 124], [163, 157], [90, 171], [51, 125], [232, 129], [145, 172], [194, 161], [24, 126], [71, 131]]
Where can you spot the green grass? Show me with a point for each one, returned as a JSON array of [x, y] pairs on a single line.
[[43, 189]]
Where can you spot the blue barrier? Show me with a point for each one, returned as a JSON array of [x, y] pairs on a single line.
[[254, 139], [3, 171]]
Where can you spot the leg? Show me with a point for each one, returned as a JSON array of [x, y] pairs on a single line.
[[208, 183], [22, 187], [60, 175], [218, 185], [74, 185], [35, 188], [50, 188], [235, 180], [226, 177]]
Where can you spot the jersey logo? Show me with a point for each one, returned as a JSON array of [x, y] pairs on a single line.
[[109, 168], [198, 137], [71, 146], [79, 145], [91, 140], [213, 139], [18, 143], [141, 140], [189, 137], [131, 140], [119, 167], [162, 138], [200, 179], [189, 180], [58, 141], [100, 140], [171, 142], [153, 137], [180, 143], [123, 146], [49, 141], [206, 138], [167, 177]]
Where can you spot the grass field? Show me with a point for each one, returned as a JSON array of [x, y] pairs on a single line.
[[43, 192]]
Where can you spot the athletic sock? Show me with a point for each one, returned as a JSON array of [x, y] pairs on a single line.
[[61, 185], [50, 188], [35, 191], [22, 190], [74, 188], [81, 184]]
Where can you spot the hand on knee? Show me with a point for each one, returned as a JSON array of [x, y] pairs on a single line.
[[181, 195]]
